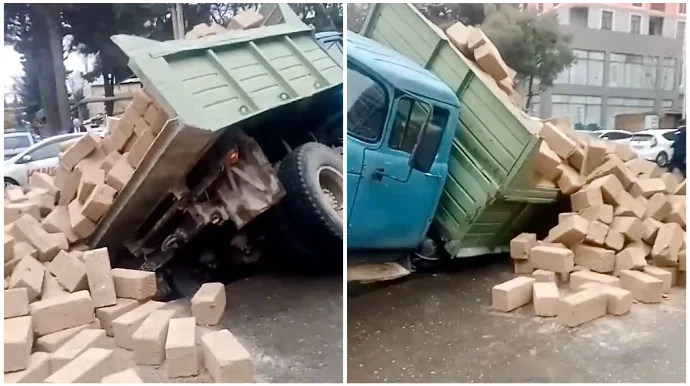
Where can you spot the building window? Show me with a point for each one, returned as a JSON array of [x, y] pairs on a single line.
[[666, 104], [661, 7], [615, 106], [607, 20], [635, 24], [588, 69], [668, 67], [637, 4], [656, 25], [681, 8], [584, 111], [680, 30], [634, 71], [540, 7]]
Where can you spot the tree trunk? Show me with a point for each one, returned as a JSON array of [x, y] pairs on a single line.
[[530, 93], [40, 55], [52, 19]]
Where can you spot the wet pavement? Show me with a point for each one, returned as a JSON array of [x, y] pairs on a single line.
[[440, 328], [291, 325]]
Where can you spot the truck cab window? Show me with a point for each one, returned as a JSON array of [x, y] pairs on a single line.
[[409, 119], [367, 105]]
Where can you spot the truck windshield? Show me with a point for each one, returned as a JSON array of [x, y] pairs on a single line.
[[367, 104]]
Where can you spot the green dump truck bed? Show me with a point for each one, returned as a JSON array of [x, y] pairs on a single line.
[[208, 86], [488, 196]]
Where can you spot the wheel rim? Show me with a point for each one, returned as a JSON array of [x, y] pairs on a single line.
[[661, 159], [331, 185]]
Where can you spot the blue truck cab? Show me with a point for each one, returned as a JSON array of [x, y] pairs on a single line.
[[401, 121]]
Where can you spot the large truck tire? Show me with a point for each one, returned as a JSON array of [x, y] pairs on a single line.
[[313, 204]]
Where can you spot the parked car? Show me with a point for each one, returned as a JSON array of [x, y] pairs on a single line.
[[41, 157], [618, 136], [16, 143], [654, 145]]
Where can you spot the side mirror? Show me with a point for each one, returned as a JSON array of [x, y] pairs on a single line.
[[428, 143], [26, 158]]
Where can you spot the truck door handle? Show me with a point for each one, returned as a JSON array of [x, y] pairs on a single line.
[[377, 175]]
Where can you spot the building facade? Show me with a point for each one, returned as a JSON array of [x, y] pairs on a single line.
[[630, 59]]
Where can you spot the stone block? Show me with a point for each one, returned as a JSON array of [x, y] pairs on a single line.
[[512, 294]]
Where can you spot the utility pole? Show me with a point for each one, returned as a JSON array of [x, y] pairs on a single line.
[[177, 16]]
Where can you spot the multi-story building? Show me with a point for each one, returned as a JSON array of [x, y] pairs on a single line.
[[630, 59]]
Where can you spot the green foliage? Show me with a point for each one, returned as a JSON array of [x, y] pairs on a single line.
[[323, 16], [445, 14], [530, 44]]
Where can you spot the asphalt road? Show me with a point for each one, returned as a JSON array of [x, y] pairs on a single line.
[[440, 328]]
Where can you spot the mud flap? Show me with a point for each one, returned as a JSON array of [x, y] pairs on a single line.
[[376, 272]]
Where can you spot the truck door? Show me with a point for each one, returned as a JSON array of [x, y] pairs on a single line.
[[395, 203]]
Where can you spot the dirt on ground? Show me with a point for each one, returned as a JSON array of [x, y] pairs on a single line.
[[440, 328]]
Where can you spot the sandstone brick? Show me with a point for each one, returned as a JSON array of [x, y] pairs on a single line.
[[641, 167], [9, 247], [37, 371], [570, 180], [89, 179], [458, 34], [100, 277], [671, 182], [108, 314], [521, 245], [9, 268], [681, 260], [610, 188], [71, 185], [125, 326], [630, 227], [16, 302], [576, 160], [512, 294], [134, 284], [43, 200], [78, 151], [120, 137], [70, 272], [180, 348], [602, 213], [140, 148], [645, 288], [208, 304], [595, 151], [647, 187], [31, 231], [141, 102], [563, 216], [674, 274], [677, 215], [680, 189], [587, 197], [53, 341], [681, 278], [630, 258], [667, 245], [614, 240], [646, 249], [557, 140], [581, 277], [58, 221], [658, 207], [14, 194], [581, 307], [554, 259], [110, 160], [522, 266], [618, 300], [247, 20], [51, 286], [627, 205], [544, 276], [572, 231], [226, 359], [61, 312], [89, 367], [594, 258], [18, 342], [81, 225], [149, 339], [28, 274], [77, 345], [546, 162], [665, 276], [119, 174], [156, 118], [127, 376], [596, 234], [545, 298], [23, 249], [99, 202]]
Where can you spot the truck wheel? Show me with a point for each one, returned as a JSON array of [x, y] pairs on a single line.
[[313, 181]]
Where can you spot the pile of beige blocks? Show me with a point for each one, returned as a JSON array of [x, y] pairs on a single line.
[[64, 302], [478, 48], [624, 239]]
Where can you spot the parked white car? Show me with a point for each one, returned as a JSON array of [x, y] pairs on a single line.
[[618, 136], [654, 145], [41, 157], [16, 143]]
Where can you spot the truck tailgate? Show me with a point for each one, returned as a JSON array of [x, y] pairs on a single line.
[[488, 194]]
